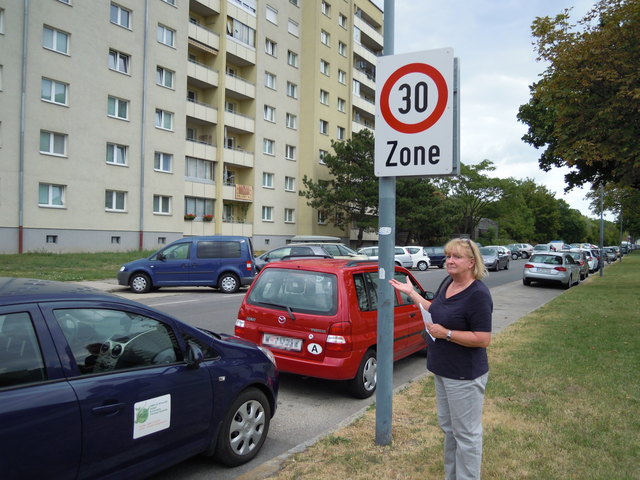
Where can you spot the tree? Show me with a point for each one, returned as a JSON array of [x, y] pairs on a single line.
[[585, 110], [351, 194]]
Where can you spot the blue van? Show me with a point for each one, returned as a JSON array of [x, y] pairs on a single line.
[[224, 262]]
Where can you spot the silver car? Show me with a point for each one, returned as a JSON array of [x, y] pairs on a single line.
[[551, 267], [401, 256]]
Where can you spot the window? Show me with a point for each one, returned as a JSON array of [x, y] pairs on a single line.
[[170, 2], [289, 215], [272, 15], [271, 47], [241, 32], [322, 219], [50, 195], [163, 162], [321, 155], [164, 77], [342, 20], [117, 108], [161, 204], [268, 146], [269, 113], [23, 363], [342, 105], [53, 143], [267, 214], [55, 40], [342, 49], [324, 67], [117, 154], [292, 90], [324, 127], [120, 16], [119, 61], [199, 168], [135, 341], [198, 206], [325, 37], [269, 80], [290, 184], [51, 239], [1, 21], [295, 2], [290, 152], [229, 177], [53, 91], [164, 119], [340, 133], [325, 8], [293, 28], [267, 180], [324, 97], [342, 77], [166, 35], [114, 201], [292, 121], [292, 58]]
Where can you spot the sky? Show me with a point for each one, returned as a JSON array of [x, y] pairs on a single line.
[[493, 42]]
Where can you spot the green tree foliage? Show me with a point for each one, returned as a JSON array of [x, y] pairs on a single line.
[[584, 111], [350, 195]]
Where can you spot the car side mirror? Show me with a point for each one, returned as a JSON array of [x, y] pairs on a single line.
[[429, 296], [194, 356]]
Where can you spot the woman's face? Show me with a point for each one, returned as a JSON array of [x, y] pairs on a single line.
[[459, 262]]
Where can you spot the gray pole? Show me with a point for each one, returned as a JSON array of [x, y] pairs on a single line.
[[602, 258], [386, 268]]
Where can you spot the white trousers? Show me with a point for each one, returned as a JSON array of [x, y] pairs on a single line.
[[460, 416]]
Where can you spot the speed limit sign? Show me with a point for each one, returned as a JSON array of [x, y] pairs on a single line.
[[415, 114]]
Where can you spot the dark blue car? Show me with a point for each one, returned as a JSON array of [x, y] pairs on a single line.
[[95, 386], [436, 255]]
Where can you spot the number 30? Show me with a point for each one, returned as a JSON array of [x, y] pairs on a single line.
[[420, 97]]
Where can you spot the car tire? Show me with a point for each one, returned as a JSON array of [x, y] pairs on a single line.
[[569, 283], [514, 256], [140, 283], [526, 282], [506, 265], [364, 383], [525, 255], [229, 283], [244, 428], [422, 266]]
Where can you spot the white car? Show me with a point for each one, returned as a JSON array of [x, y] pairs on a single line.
[[421, 260], [592, 260], [401, 255]]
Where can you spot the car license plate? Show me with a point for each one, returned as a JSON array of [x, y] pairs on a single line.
[[543, 270], [282, 343]]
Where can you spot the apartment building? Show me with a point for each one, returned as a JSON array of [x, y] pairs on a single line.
[[127, 124]]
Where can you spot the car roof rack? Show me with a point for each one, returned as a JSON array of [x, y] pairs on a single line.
[[305, 256], [353, 263]]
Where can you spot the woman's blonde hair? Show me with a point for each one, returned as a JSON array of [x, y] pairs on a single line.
[[468, 248]]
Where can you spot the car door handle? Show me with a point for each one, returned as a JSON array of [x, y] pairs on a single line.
[[110, 409], [412, 314]]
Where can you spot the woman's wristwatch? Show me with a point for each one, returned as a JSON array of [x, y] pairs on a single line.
[[448, 338]]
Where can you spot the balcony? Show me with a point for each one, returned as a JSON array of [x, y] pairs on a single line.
[[201, 76], [202, 112], [201, 149], [237, 156], [364, 103], [357, 126], [375, 38], [240, 53], [365, 78], [238, 87], [369, 55], [238, 122], [205, 7], [203, 38]]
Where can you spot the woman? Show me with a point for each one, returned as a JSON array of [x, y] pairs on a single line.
[[461, 314]]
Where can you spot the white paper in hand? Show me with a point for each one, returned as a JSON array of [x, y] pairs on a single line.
[[426, 318]]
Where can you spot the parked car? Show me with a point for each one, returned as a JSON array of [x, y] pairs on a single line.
[[300, 249], [420, 258], [224, 262], [596, 253], [610, 254], [401, 256], [554, 267], [542, 247], [526, 249], [319, 318], [516, 253], [437, 256], [97, 386], [592, 260], [557, 245], [494, 259], [581, 258]]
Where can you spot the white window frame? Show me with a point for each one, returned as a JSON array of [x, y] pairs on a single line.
[[289, 184], [289, 215], [325, 8], [321, 218], [292, 90], [342, 77], [120, 16], [290, 152], [163, 162], [49, 91], [271, 47], [325, 67], [200, 169], [162, 204], [165, 77], [291, 121], [341, 133], [342, 105], [53, 143], [270, 113], [56, 36], [166, 35], [324, 127], [267, 213], [270, 80], [293, 28], [342, 20], [161, 119], [115, 201], [117, 154], [324, 97], [342, 48], [267, 180], [271, 15], [321, 155], [241, 32], [117, 108], [268, 146], [292, 58], [55, 195], [325, 38], [119, 62]]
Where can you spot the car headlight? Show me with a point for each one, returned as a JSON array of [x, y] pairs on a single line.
[[123, 268]]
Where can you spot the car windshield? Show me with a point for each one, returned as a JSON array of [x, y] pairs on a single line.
[[548, 259], [298, 290], [488, 251]]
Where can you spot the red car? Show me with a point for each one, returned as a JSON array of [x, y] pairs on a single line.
[[319, 318]]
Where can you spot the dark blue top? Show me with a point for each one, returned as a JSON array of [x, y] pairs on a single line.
[[468, 310]]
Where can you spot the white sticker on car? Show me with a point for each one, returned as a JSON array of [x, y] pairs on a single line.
[[314, 349], [152, 415]]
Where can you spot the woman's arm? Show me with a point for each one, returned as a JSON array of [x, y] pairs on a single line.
[[409, 291]]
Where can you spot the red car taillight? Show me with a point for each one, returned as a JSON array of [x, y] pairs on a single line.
[[339, 337], [249, 266], [528, 265], [560, 269]]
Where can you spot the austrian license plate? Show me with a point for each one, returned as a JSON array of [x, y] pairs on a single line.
[[543, 270], [282, 343]]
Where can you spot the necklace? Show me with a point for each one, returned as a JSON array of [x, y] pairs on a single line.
[[455, 289]]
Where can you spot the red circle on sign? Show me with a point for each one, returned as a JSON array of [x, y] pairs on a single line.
[[443, 93]]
